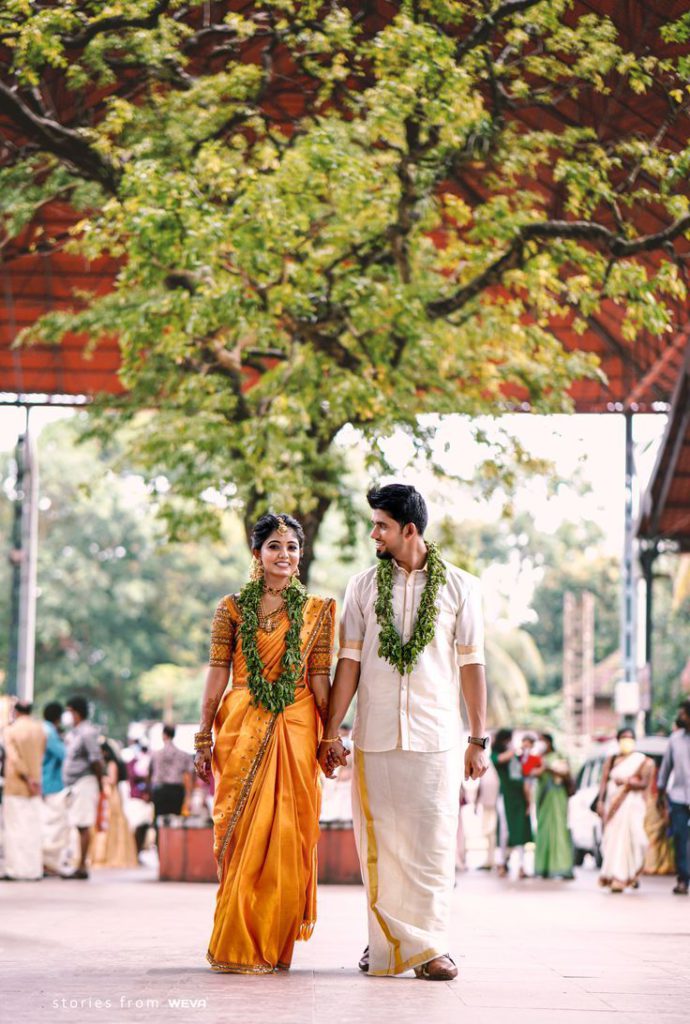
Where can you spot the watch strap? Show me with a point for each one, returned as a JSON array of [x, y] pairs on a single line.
[[479, 741]]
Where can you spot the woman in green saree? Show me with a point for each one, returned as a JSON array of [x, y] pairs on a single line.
[[554, 853], [509, 769]]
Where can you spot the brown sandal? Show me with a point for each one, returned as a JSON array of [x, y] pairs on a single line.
[[438, 970]]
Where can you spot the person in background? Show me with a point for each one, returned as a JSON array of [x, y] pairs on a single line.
[[530, 760], [676, 762], [660, 858], [113, 846], [554, 852], [54, 808], [138, 807], [509, 769], [82, 771], [170, 777], [25, 743], [487, 799], [626, 778]]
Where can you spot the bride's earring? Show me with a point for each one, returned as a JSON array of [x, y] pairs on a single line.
[[257, 570]]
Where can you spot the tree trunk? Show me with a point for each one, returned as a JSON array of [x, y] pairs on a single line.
[[312, 524]]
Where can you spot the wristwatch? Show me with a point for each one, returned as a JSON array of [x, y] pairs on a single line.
[[479, 741]]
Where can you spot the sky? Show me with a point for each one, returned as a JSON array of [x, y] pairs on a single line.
[[583, 447], [586, 449]]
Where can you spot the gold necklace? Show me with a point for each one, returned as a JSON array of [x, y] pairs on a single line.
[[268, 620]]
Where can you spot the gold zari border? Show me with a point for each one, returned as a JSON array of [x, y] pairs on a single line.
[[244, 794], [229, 968], [400, 965]]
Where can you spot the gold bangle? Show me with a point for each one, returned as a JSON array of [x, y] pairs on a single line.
[[334, 739]]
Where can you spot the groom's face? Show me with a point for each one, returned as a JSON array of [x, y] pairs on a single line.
[[386, 534]]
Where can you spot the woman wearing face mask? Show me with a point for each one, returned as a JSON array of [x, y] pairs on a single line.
[[622, 806]]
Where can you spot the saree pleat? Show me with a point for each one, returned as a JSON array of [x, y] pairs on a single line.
[[266, 814]]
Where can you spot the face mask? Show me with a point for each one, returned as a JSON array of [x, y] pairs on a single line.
[[539, 748], [67, 719], [626, 745]]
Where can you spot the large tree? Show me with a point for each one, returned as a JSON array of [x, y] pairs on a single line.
[[332, 213]]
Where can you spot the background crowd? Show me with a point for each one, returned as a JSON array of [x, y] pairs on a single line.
[[74, 800]]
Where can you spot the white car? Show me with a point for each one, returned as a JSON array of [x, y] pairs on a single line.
[[585, 825]]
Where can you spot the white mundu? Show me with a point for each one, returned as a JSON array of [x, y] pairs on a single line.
[[406, 783]]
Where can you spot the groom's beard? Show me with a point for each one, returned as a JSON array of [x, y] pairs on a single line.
[[385, 556]]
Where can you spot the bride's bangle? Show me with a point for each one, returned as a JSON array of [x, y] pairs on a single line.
[[332, 739]]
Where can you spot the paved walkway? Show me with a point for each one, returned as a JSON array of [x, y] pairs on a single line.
[[126, 948]]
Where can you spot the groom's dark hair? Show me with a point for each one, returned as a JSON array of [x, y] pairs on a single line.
[[402, 503]]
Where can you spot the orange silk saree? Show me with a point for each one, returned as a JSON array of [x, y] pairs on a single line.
[[267, 797]]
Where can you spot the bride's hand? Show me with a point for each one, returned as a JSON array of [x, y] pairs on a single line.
[[202, 764]]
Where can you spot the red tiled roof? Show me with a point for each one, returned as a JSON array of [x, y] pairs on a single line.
[[641, 374]]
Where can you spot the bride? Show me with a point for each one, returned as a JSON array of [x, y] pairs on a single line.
[[278, 642]]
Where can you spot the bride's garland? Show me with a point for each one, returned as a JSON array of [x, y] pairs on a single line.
[[404, 656], [276, 696]]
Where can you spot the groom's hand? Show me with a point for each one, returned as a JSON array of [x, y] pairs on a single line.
[[476, 762], [331, 755]]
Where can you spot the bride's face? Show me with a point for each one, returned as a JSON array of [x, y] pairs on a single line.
[[280, 555]]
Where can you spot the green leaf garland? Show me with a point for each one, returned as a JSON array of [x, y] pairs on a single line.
[[404, 656], [275, 697]]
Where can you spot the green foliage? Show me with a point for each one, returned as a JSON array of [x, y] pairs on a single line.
[[508, 692], [275, 696], [173, 690], [285, 275], [115, 600], [568, 569], [404, 656]]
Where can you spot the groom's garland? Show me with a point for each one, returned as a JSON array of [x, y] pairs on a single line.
[[276, 696], [404, 656]]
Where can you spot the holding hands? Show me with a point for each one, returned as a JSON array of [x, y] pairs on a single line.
[[331, 753]]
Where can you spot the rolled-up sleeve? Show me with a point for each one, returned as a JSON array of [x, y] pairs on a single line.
[[92, 746], [666, 766], [351, 625], [469, 627]]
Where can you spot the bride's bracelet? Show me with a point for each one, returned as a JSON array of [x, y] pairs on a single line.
[[332, 739], [203, 740]]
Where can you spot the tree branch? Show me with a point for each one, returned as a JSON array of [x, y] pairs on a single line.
[[66, 143], [482, 31], [114, 23], [583, 231]]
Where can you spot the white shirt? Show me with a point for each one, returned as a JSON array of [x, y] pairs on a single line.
[[420, 710]]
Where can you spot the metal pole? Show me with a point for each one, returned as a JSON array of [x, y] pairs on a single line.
[[628, 701], [648, 556], [20, 676], [15, 558]]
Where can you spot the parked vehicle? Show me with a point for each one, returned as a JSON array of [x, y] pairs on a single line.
[[585, 824]]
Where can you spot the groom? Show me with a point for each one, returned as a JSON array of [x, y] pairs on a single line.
[[411, 637]]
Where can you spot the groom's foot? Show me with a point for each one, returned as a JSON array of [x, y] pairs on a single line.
[[441, 968], [364, 961]]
